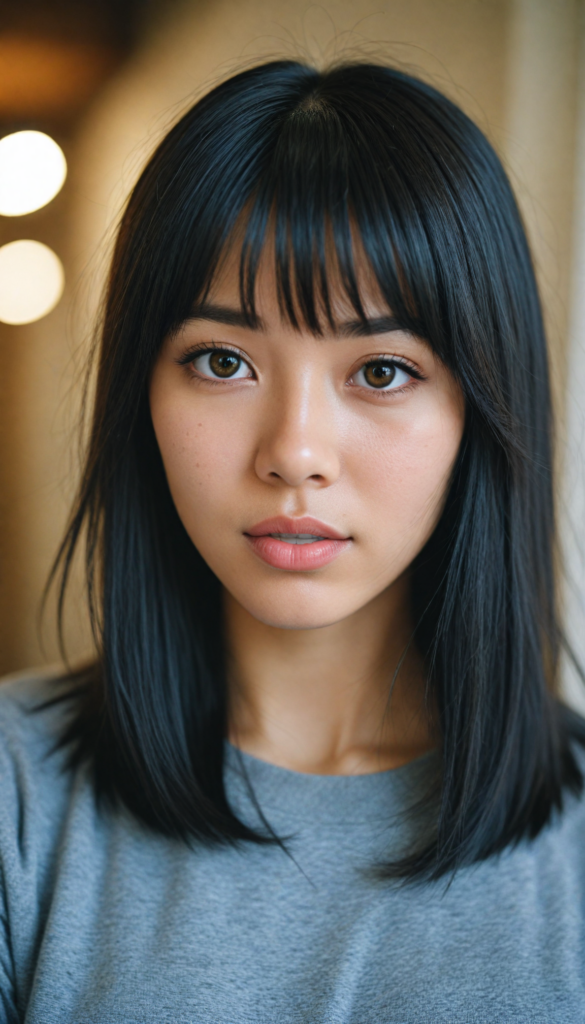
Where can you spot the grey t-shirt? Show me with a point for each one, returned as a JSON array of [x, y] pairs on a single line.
[[102, 921]]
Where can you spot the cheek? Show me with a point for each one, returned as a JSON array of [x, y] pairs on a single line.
[[403, 473], [203, 457]]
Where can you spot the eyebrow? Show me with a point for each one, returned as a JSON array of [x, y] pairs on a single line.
[[226, 315], [375, 325], [237, 318]]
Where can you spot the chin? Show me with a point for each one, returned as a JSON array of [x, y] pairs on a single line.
[[295, 612]]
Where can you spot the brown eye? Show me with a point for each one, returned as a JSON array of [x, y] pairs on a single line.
[[383, 375], [221, 364], [379, 375], [224, 364]]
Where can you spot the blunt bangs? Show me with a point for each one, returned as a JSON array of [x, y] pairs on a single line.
[[330, 171]]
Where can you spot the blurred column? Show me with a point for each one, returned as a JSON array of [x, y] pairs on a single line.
[[55, 59], [573, 496], [540, 150]]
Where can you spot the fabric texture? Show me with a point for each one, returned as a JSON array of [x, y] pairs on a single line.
[[102, 921]]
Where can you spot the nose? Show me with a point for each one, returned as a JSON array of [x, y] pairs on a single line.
[[298, 442]]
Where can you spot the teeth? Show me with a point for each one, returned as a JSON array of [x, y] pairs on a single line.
[[296, 538]]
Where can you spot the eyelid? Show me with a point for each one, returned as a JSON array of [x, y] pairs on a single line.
[[211, 346]]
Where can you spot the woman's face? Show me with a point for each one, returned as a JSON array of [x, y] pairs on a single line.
[[308, 471]]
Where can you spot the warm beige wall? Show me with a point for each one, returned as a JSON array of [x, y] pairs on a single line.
[[509, 63], [35, 446], [539, 147], [460, 44], [573, 491]]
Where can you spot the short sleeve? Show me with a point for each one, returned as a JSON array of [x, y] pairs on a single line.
[[8, 842], [30, 788], [8, 1011]]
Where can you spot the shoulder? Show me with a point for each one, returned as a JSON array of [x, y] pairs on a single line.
[[24, 691], [34, 780], [32, 713], [39, 792], [571, 818]]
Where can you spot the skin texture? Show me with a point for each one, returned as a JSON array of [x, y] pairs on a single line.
[[299, 431]]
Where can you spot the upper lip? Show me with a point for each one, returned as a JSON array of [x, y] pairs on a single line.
[[306, 524]]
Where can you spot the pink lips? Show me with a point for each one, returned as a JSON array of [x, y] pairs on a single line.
[[283, 552]]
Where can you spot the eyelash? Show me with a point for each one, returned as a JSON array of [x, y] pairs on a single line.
[[403, 364]]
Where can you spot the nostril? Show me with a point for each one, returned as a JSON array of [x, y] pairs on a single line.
[[280, 461]]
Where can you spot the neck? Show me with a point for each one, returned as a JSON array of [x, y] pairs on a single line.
[[323, 700]]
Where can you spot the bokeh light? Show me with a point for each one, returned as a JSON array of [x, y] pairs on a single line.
[[31, 281], [32, 170]]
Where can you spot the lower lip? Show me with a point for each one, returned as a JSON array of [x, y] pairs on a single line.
[[296, 557]]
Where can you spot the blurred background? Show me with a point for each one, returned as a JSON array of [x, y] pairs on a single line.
[[104, 79]]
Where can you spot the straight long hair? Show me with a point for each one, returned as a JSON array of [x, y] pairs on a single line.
[[315, 160]]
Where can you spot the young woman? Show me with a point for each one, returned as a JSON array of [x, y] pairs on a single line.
[[318, 772]]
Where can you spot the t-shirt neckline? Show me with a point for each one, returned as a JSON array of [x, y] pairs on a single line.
[[297, 797]]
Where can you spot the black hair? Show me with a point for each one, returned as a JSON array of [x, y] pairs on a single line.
[[318, 159]]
